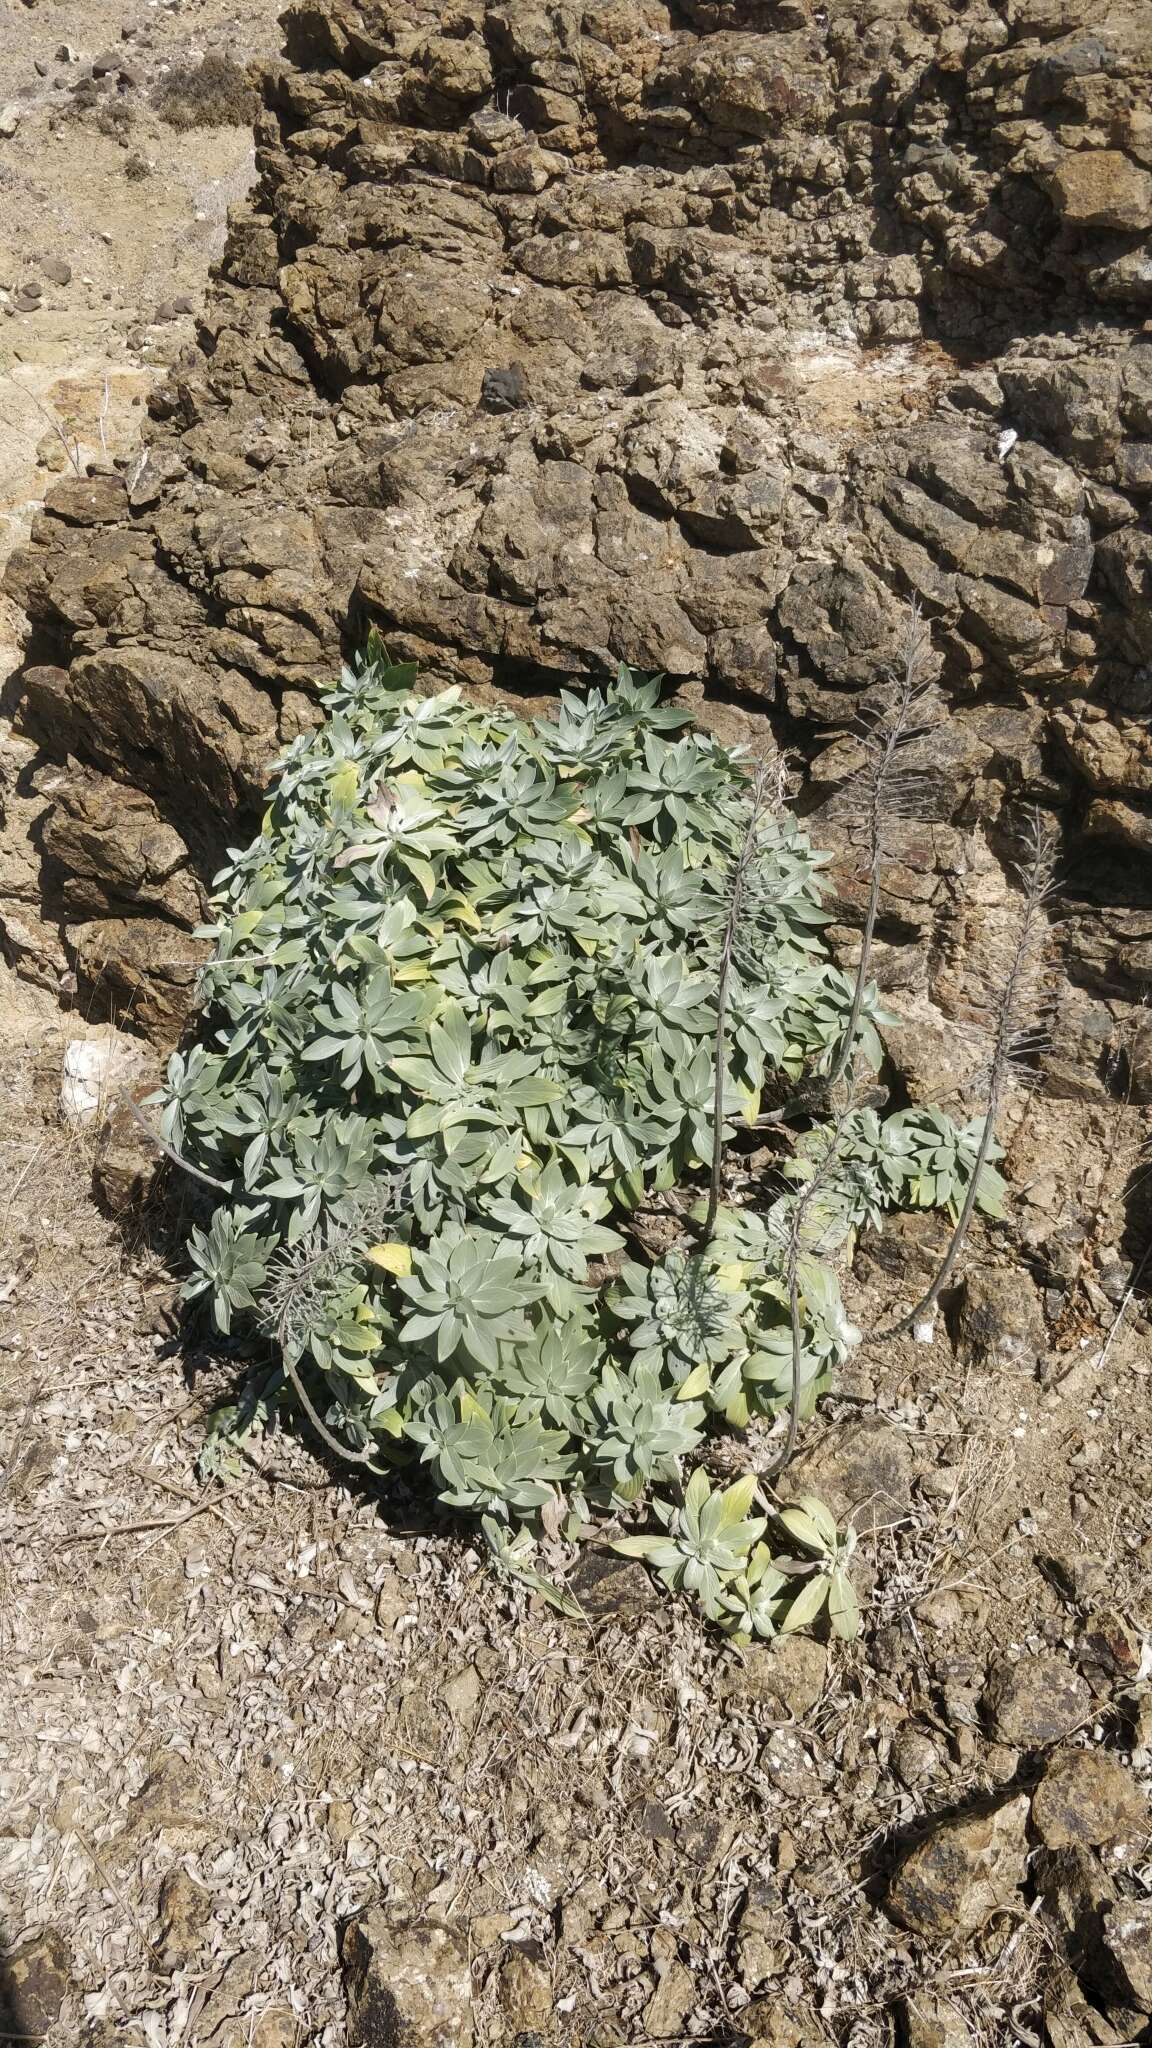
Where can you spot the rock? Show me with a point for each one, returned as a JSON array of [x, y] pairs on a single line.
[[35, 1979], [672, 2003], [1127, 1930], [142, 969], [504, 390], [51, 452], [185, 1919], [1069, 2020], [768, 2023], [929, 2020], [170, 1804], [1036, 1700], [407, 1981], [1109, 1645], [97, 1070], [1087, 1798], [863, 1471], [9, 120], [1102, 188], [87, 501], [788, 1675], [966, 1870], [1076, 1894], [524, 1991], [56, 270], [610, 1587], [1140, 1062], [917, 1756], [999, 1319]]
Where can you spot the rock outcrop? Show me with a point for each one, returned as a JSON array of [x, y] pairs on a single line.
[[696, 334]]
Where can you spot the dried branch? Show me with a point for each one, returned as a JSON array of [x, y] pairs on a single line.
[[758, 803], [884, 790], [1035, 872], [800, 1208], [207, 1180]]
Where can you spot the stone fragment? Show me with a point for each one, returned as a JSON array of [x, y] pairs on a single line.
[[768, 2023], [56, 270], [87, 501], [9, 121], [787, 1675], [1128, 1940], [1087, 1798], [524, 1990], [407, 1982], [97, 1071], [999, 1319], [1076, 1892], [672, 2003], [185, 1914], [504, 390], [34, 1982], [963, 1872], [931, 2020], [613, 1588], [1036, 1700], [864, 1472], [1102, 188], [141, 969]]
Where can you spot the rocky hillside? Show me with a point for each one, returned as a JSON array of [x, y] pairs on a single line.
[[706, 334], [699, 335]]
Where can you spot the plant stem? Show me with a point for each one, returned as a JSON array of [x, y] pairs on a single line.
[[1037, 883], [207, 1180], [723, 981], [891, 731]]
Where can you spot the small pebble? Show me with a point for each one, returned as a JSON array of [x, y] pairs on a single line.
[[57, 271], [9, 120]]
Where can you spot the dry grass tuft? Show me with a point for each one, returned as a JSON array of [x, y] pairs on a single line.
[[215, 93]]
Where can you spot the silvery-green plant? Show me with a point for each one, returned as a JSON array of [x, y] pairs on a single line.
[[462, 1022]]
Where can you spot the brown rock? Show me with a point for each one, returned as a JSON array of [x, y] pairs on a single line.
[[671, 2004], [999, 1320], [863, 1472], [87, 501], [930, 2020], [1077, 1893], [610, 1587], [407, 1981], [524, 1991], [1101, 188], [185, 1916], [34, 1982], [1128, 1939], [767, 2023], [139, 969], [963, 1872], [1036, 1701], [787, 1675], [1087, 1798]]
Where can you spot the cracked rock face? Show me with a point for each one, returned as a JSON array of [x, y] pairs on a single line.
[[698, 335]]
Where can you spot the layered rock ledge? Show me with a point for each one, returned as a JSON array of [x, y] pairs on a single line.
[[700, 335]]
